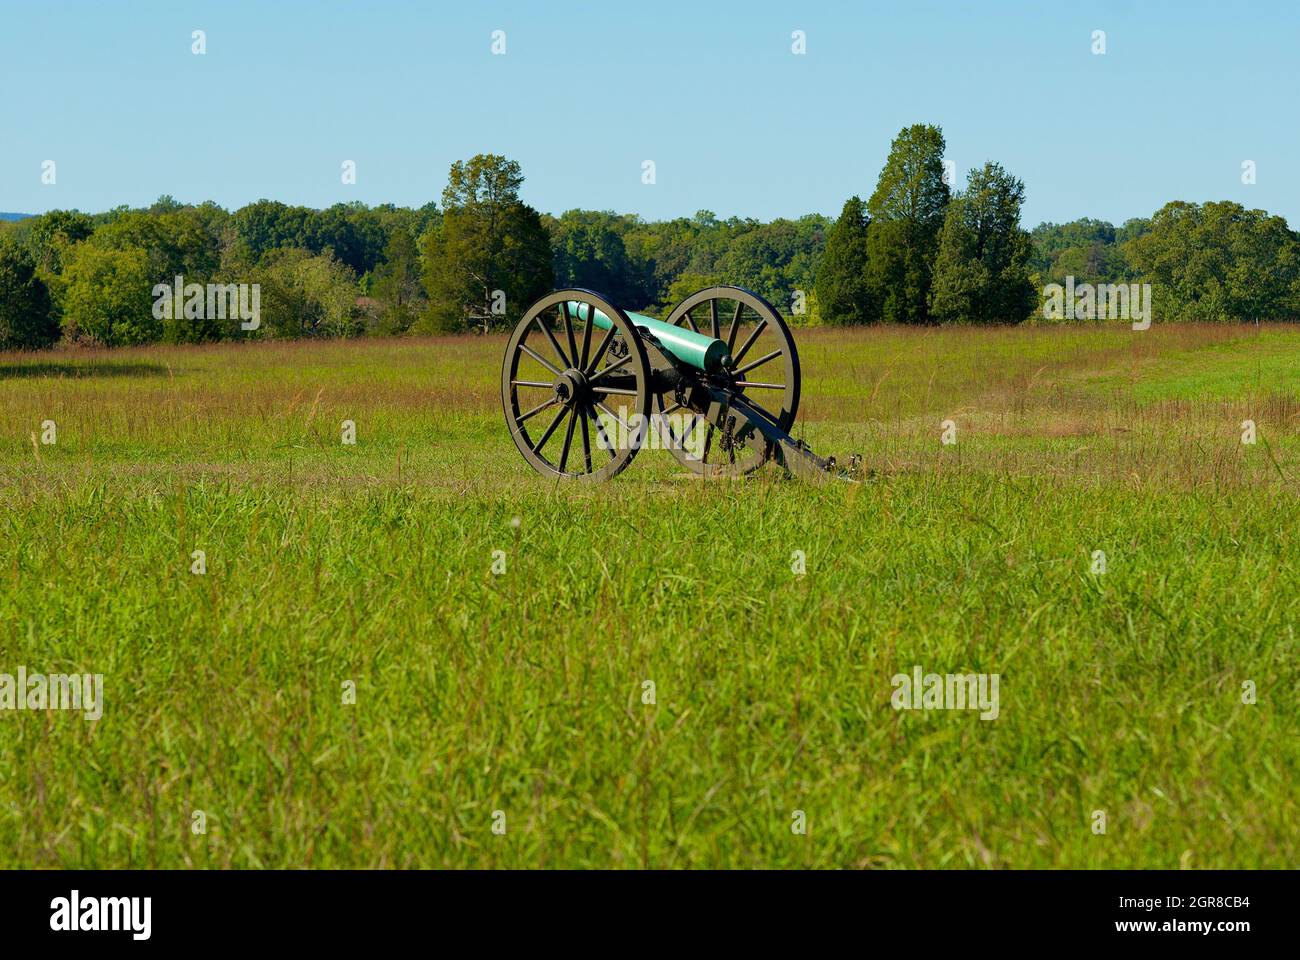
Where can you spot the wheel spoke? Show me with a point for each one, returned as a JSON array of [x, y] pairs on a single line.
[[616, 390], [757, 363], [568, 442], [586, 343], [538, 357], [536, 410], [590, 411], [736, 358], [532, 383], [550, 430], [686, 435], [708, 442], [600, 351], [663, 419], [742, 384], [586, 442], [617, 419], [735, 326], [714, 329], [568, 329], [691, 320], [610, 369], [554, 343]]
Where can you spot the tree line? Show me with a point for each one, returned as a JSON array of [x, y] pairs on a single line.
[[917, 251]]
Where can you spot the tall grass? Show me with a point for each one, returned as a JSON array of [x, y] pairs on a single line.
[[523, 693]]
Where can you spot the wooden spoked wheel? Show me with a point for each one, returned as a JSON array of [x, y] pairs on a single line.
[[576, 395], [764, 369]]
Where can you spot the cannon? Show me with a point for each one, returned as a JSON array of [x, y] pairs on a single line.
[[585, 385]]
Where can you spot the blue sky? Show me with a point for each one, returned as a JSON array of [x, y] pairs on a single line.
[[711, 92]]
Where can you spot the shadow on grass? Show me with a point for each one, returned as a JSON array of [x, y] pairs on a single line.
[[20, 371]]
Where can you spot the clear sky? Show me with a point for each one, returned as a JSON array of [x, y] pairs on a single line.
[[585, 92]]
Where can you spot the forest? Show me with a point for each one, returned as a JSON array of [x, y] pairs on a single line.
[[919, 250]]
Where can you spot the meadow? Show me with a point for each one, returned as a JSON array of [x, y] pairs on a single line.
[[1161, 692]]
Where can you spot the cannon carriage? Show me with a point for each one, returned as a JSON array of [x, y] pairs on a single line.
[[585, 385]]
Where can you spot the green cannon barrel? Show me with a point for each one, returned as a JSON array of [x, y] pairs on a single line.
[[695, 349]]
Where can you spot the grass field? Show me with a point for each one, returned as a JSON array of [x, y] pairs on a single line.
[[522, 693]]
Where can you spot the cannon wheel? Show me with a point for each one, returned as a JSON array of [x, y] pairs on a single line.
[[553, 363], [765, 368]]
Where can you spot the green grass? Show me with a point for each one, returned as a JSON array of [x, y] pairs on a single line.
[[523, 692]]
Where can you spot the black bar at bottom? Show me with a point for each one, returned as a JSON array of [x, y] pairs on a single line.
[[333, 909]]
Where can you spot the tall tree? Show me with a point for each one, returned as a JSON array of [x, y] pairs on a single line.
[[26, 319], [491, 256], [981, 272], [907, 211], [842, 293]]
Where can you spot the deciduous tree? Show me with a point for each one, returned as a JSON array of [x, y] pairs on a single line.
[[107, 295], [490, 253], [981, 271], [907, 211], [27, 321]]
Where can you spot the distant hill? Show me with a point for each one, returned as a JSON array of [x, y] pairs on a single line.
[[14, 216]]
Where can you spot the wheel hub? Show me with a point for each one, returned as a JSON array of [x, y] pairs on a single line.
[[571, 387]]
